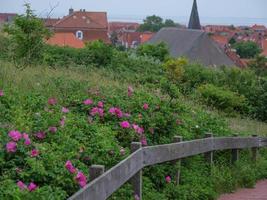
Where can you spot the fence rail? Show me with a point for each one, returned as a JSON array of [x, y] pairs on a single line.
[[130, 169]]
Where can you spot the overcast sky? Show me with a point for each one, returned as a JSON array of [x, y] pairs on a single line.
[[214, 10]]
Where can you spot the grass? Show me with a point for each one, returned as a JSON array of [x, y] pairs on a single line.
[[247, 126]]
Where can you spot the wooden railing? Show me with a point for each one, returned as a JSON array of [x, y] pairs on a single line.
[[104, 184]]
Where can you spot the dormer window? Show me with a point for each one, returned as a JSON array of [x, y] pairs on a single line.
[[79, 35]]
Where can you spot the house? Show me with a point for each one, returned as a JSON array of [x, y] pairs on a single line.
[[65, 39], [86, 26], [259, 28], [6, 17], [193, 43], [121, 26]]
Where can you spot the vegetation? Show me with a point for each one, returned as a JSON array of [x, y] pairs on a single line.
[[26, 35], [155, 23], [247, 49]]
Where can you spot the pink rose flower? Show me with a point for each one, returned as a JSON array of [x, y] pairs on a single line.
[[97, 111], [40, 135], [21, 185], [27, 142], [168, 179], [81, 179], [139, 130], [62, 122], [100, 104], [52, 129], [15, 135], [52, 101], [127, 115], [144, 141], [34, 153], [11, 147], [125, 124], [101, 112], [145, 106], [70, 167], [130, 91], [25, 136], [1, 93], [136, 197], [65, 110], [87, 102], [116, 111], [32, 187]]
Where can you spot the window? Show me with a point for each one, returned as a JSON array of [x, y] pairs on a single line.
[[79, 35]]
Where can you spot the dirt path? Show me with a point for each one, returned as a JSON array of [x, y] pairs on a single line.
[[257, 193]]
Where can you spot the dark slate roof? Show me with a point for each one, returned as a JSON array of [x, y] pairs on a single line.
[[193, 44], [194, 22]]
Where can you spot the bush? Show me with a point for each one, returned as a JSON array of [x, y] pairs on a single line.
[[221, 98], [158, 51], [247, 49], [175, 68]]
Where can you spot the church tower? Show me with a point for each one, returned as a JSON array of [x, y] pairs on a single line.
[[194, 22]]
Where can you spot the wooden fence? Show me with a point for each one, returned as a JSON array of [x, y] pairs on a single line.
[[104, 184]]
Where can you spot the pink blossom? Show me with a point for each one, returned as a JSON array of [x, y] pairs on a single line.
[[21, 185], [62, 121], [40, 135], [168, 179], [65, 110], [70, 167], [94, 111], [144, 141], [136, 197], [32, 187], [116, 111], [87, 102], [34, 153], [130, 91], [122, 151], [15, 135], [52, 101], [1, 93], [52, 129], [27, 142], [81, 179], [127, 115], [138, 129], [25, 136], [11, 147], [125, 124], [145, 106], [100, 104]]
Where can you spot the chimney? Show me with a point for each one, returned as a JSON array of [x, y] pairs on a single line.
[[83, 10], [71, 11]]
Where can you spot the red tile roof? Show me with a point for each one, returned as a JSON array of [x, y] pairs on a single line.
[[258, 27], [83, 20], [65, 39], [117, 26], [221, 40], [49, 22], [146, 36]]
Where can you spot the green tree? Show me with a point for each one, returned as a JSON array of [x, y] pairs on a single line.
[[259, 65], [247, 49], [155, 23], [159, 51], [27, 34]]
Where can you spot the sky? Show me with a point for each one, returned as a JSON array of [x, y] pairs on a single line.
[[210, 11]]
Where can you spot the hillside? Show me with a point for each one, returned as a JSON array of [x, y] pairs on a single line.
[[49, 105]]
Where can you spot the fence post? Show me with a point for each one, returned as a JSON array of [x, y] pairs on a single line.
[[254, 151], [177, 163], [209, 155], [235, 153], [136, 180], [95, 171]]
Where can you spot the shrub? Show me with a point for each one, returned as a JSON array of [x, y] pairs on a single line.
[[247, 49], [221, 98], [175, 68], [158, 51]]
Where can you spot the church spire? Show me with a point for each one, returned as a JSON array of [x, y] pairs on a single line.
[[194, 22]]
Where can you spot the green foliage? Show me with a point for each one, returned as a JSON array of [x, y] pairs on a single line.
[[155, 23], [4, 43], [175, 68], [27, 34], [158, 51], [247, 49], [222, 98], [259, 65]]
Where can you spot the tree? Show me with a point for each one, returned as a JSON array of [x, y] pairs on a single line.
[[158, 51], [259, 65], [155, 23], [27, 34], [247, 49]]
